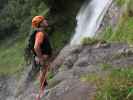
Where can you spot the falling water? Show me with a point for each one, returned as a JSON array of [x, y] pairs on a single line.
[[89, 19]]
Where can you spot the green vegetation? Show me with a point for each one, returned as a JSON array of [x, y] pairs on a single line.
[[59, 39], [92, 41], [124, 32], [15, 25], [50, 75], [124, 29], [120, 2], [118, 85], [89, 41], [105, 66], [16, 15], [11, 57]]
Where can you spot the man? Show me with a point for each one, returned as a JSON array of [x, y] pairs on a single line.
[[42, 48]]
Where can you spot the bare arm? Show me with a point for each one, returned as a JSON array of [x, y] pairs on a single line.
[[38, 41]]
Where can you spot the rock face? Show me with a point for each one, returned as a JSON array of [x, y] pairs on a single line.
[[111, 18], [72, 63], [7, 87], [72, 89], [84, 56]]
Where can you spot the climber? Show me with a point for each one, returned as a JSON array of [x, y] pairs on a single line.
[[40, 47]]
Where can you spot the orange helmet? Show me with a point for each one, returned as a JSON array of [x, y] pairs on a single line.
[[36, 21]]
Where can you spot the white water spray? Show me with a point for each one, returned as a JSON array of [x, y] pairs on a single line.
[[89, 19]]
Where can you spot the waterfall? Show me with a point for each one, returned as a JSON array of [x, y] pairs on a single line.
[[89, 19]]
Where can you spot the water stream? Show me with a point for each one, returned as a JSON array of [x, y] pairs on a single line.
[[89, 19]]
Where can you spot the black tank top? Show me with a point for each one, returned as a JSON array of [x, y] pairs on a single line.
[[45, 46]]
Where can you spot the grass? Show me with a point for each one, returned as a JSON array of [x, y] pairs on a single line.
[[89, 41], [50, 75], [92, 41], [11, 51], [123, 33], [105, 66], [120, 2], [118, 85], [124, 29], [11, 57]]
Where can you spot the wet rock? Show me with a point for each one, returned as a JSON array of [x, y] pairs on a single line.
[[65, 52], [102, 45], [79, 71], [82, 62], [60, 77], [72, 89], [126, 51], [68, 64], [74, 62], [111, 18]]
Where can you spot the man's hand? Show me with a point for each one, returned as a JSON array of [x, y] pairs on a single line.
[[42, 59]]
